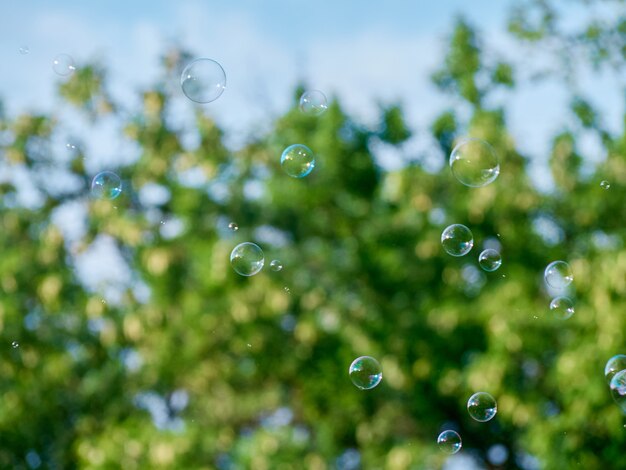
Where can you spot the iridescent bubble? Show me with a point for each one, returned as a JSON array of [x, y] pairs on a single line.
[[63, 65], [482, 407], [106, 185], [15, 344], [247, 259], [604, 184], [457, 240], [618, 389], [558, 275], [203, 80], [562, 307], [276, 265], [474, 163], [233, 226], [490, 260], [449, 442], [614, 365], [365, 372], [297, 160], [313, 102], [24, 50]]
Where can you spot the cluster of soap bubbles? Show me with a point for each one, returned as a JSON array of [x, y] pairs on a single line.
[[558, 275], [615, 374], [204, 80], [481, 407], [457, 240]]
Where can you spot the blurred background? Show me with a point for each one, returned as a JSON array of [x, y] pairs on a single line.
[[128, 341]]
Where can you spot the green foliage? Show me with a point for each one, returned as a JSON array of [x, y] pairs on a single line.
[[265, 370]]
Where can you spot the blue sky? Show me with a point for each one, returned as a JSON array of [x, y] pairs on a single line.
[[363, 52]]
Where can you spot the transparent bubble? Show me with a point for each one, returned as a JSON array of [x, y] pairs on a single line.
[[618, 389], [276, 265], [106, 185], [63, 65], [449, 442], [297, 160], [24, 50], [490, 260], [562, 307], [365, 372], [457, 240], [614, 365], [233, 226], [247, 259], [313, 102], [474, 163], [203, 80], [482, 407], [558, 275], [15, 344], [604, 184]]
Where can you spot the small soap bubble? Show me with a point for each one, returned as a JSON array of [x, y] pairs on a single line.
[[482, 406], [247, 259], [15, 345], [24, 50], [63, 65], [558, 275], [365, 372], [449, 442], [490, 260], [276, 265], [457, 240], [313, 102], [604, 184], [203, 80], [233, 226], [562, 307], [614, 365], [106, 185], [297, 160], [474, 163], [618, 389]]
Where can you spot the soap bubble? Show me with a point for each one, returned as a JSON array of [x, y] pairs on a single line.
[[233, 226], [365, 372], [15, 344], [457, 240], [247, 259], [604, 184], [614, 365], [63, 65], [474, 163], [490, 260], [558, 275], [203, 80], [313, 102], [106, 185], [24, 50], [562, 307], [297, 160], [449, 442], [618, 389], [482, 407], [276, 265]]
